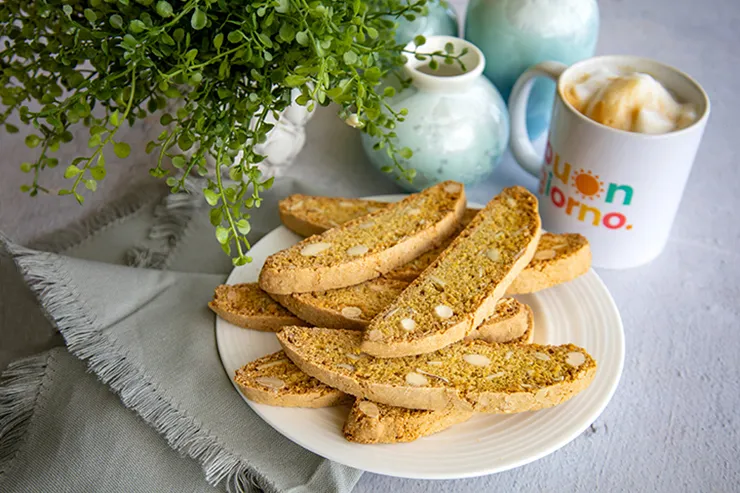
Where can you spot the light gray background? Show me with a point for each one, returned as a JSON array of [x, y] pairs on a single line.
[[673, 423]]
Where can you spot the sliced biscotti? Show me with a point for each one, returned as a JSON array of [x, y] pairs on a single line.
[[366, 247], [369, 422], [276, 381], [248, 306], [559, 258], [461, 288], [345, 308], [470, 375], [512, 321], [411, 270], [354, 307], [309, 215]]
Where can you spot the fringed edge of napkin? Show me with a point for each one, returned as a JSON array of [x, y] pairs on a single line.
[[172, 217], [68, 237], [20, 385], [49, 281]]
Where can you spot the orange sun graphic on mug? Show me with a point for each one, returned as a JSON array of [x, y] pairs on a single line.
[[588, 184]]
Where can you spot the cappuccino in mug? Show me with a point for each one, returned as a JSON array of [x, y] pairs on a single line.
[[628, 100]]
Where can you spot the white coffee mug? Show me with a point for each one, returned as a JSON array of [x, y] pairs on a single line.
[[619, 189]]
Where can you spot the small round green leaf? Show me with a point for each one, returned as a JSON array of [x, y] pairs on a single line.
[[98, 172], [350, 57], [215, 216], [72, 171], [301, 38], [199, 19], [218, 40], [121, 149], [222, 235], [90, 15], [114, 119], [33, 140], [164, 9], [136, 26], [115, 21], [243, 226], [211, 197]]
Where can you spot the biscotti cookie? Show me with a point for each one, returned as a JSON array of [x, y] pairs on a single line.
[[411, 270], [248, 306], [369, 246], [354, 307], [309, 215], [470, 375], [345, 308], [559, 258], [276, 381], [370, 422], [512, 321], [461, 288]]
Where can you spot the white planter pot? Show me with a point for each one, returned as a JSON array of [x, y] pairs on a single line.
[[283, 144]]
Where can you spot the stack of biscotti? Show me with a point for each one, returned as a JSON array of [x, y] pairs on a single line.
[[463, 306], [559, 258], [369, 246]]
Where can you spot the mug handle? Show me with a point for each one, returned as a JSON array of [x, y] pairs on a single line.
[[521, 146]]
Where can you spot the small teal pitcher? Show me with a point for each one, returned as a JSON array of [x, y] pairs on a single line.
[[457, 124], [516, 34]]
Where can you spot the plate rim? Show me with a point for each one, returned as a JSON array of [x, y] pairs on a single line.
[[555, 445]]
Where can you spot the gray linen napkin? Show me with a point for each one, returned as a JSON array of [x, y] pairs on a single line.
[[148, 335]]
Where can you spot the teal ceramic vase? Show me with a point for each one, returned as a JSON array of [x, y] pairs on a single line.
[[440, 19], [516, 34], [457, 124]]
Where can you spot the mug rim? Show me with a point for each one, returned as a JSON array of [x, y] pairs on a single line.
[[604, 58]]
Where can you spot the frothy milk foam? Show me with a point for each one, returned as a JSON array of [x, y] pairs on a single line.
[[630, 101]]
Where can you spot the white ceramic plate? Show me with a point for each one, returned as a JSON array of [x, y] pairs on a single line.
[[581, 312]]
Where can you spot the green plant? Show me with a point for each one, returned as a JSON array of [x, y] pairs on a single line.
[[104, 63]]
